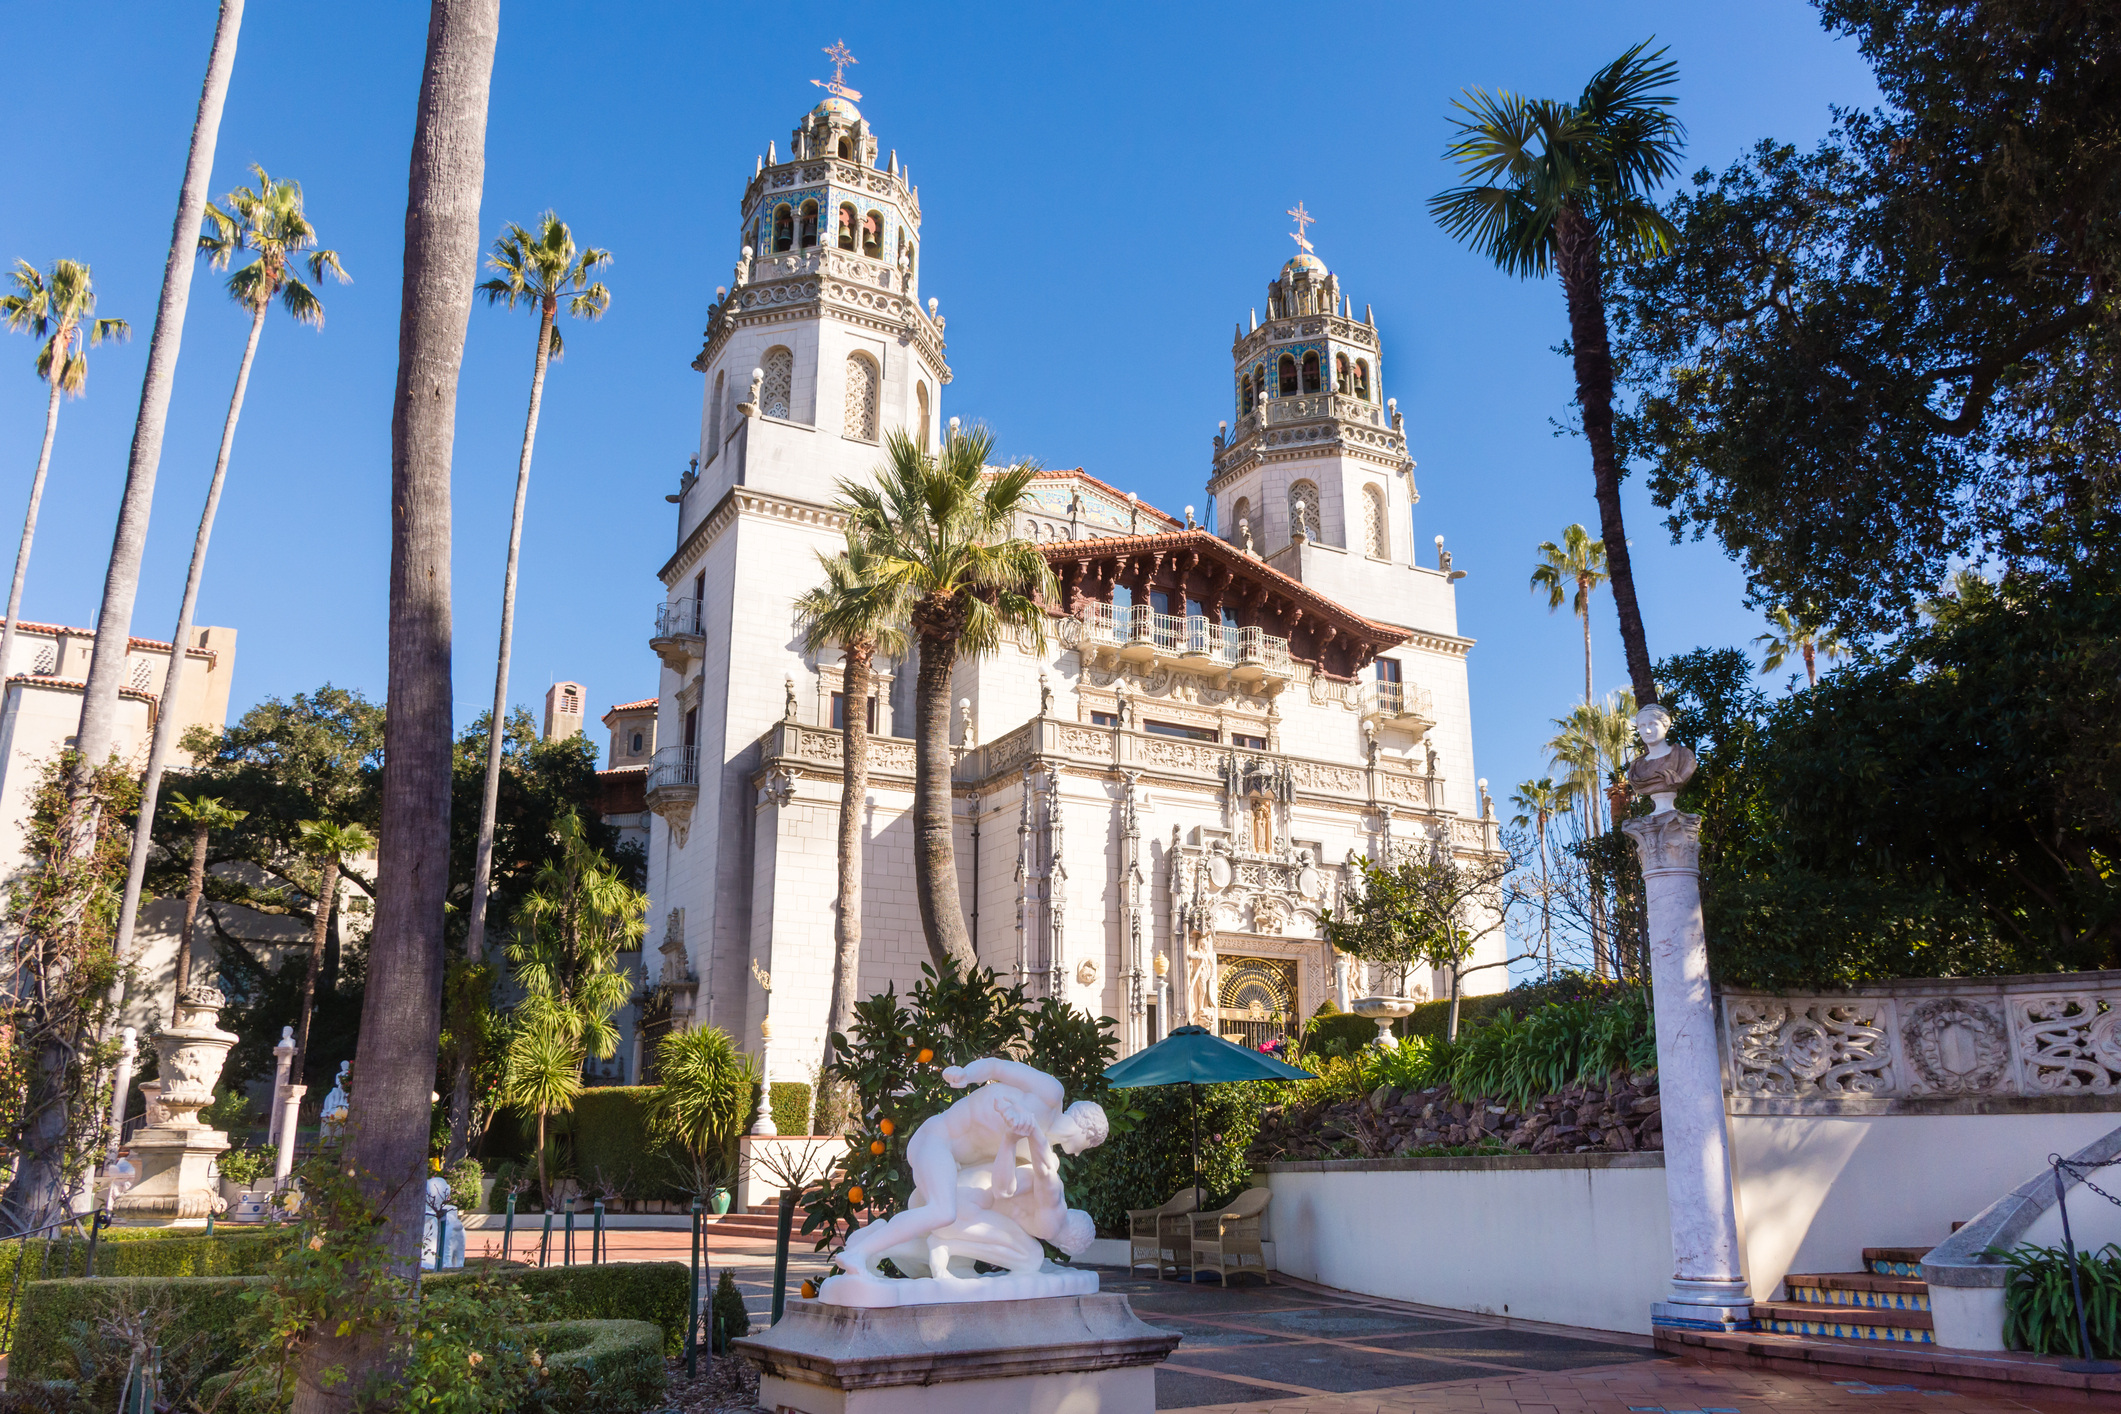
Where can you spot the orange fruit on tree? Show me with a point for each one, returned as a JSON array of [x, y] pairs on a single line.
[[925, 1056], [854, 1195], [809, 1289], [887, 1126], [876, 1146]]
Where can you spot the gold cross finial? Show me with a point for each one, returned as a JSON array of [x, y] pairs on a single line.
[[1303, 221], [836, 85]]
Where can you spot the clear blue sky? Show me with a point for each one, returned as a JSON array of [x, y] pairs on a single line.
[[1103, 187]]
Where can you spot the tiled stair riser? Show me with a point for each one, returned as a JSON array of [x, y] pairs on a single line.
[[1866, 1300], [1887, 1268], [1842, 1330]]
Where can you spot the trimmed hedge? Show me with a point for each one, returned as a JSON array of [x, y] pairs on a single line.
[[612, 1142], [630, 1291], [141, 1252], [601, 1367], [791, 1106], [212, 1308]]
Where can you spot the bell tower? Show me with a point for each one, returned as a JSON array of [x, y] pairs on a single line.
[[820, 345], [1315, 467]]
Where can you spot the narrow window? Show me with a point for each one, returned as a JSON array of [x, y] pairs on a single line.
[[1303, 510], [1362, 380], [692, 728], [1244, 394], [806, 227], [1376, 536], [873, 235], [846, 227], [1240, 516], [638, 742], [776, 392], [847, 147], [920, 408], [1287, 369], [839, 713], [1180, 730], [714, 415], [783, 228], [1388, 670], [1250, 743], [1103, 719], [1311, 371], [862, 397]]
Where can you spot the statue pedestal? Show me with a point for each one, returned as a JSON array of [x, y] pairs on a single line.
[[1047, 1355], [176, 1164]]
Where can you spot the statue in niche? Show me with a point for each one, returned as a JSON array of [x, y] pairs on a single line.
[[1200, 978], [1045, 696], [1430, 747], [1262, 826], [986, 1190], [1244, 528]]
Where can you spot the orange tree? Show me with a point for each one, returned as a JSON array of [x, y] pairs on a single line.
[[895, 1062]]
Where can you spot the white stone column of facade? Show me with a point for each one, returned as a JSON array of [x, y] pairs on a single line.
[[1708, 1282], [122, 1084], [290, 1111]]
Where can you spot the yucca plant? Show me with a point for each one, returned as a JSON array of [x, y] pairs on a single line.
[[2040, 1311]]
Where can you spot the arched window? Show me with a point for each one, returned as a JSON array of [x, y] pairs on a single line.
[[846, 147], [1362, 380], [873, 235], [1287, 371], [806, 226], [920, 408], [862, 399], [1303, 510], [846, 226], [1311, 371], [638, 742], [776, 393], [783, 227], [1240, 517], [1340, 375], [1376, 538], [1244, 394], [714, 416]]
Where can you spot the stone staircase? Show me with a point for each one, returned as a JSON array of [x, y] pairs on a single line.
[[1886, 1301]]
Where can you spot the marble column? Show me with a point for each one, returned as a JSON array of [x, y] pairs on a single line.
[[122, 1084], [1708, 1280], [290, 1113], [283, 1056]]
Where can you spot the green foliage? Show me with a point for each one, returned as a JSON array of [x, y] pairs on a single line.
[[244, 1165], [616, 1148], [706, 1095], [654, 1292], [1433, 1019], [1562, 1042], [231, 1110], [954, 1018], [465, 1178], [1410, 914], [1863, 364], [1153, 1160], [2040, 1313], [726, 1310], [600, 1367], [1341, 1034], [790, 1100], [470, 1350], [55, 1320]]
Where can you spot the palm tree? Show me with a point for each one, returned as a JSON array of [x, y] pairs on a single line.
[[851, 610], [59, 308], [1591, 751], [121, 582], [1579, 561], [332, 844], [1796, 634], [269, 223], [1550, 186], [942, 531], [39, 1169], [1537, 803], [580, 914], [206, 815], [704, 1090], [542, 1072], [542, 269]]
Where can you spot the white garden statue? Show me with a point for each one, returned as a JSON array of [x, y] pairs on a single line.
[[987, 1189], [337, 1106]]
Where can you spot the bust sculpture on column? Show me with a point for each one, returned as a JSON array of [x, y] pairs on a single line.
[[1664, 767]]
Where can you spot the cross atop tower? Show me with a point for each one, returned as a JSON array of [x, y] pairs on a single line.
[[836, 85], [1303, 220]]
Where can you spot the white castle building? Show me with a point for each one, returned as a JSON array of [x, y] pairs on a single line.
[[1151, 813]]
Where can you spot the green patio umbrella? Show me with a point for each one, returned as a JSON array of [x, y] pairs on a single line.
[[1190, 1056]]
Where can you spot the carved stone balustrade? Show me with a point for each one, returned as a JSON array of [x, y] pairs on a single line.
[[1952, 1045]]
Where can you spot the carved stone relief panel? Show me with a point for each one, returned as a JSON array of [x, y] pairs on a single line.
[[1955, 1046], [2068, 1043], [1803, 1048]]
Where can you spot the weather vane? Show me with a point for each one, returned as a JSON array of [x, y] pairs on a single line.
[[840, 60], [1303, 221]]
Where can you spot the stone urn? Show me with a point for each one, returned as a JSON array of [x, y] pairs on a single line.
[[1384, 1011], [176, 1152]]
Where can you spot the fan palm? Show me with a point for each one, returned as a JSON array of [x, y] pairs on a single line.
[[267, 222], [1591, 750], [542, 270], [1795, 634], [59, 308], [1578, 562], [852, 610], [1538, 802], [332, 844], [1550, 186], [942, 534], [206, 815], [541, 1071]]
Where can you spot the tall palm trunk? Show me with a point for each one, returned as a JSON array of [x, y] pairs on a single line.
[[167, 717], [858, 657], [29, 520], [1811, 665], [194, 889], [401, 1008], [1546, 901], [935, 849], [327, 898], [1586, 617], [490, 799], [121, 584], [1576, 249]]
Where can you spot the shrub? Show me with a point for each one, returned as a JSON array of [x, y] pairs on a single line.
[[2040, 1314], [616, 1148], [465, 1177], [791, 1106], [727, 1310], [1153, 1160], [210, 1311], [141, 1252], [611, 1291], [1338, 1033], [600, 1367], [244, 1166]]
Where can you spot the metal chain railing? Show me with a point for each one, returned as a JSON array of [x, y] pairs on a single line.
[[2090, 1364]]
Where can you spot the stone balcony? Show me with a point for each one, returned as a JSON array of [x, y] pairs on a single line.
[[1403, 705], [1191, 643], [673, 786], [679, 634]]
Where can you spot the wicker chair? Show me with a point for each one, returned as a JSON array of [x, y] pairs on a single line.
[[1230, 1235], [1160, 1230]]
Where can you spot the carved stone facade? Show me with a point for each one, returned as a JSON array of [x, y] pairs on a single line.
[[1985, 1043]]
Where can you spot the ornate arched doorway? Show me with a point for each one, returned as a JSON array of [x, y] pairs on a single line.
[[1257, 999]]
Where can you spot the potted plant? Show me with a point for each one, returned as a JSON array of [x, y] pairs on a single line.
[[246, 1182]]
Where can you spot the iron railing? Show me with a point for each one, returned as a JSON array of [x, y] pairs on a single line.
[[678, 618], [1190, 635], [674, 767]]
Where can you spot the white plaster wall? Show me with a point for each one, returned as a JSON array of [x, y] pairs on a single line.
[[1814, 1191], [1584, 1247]]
